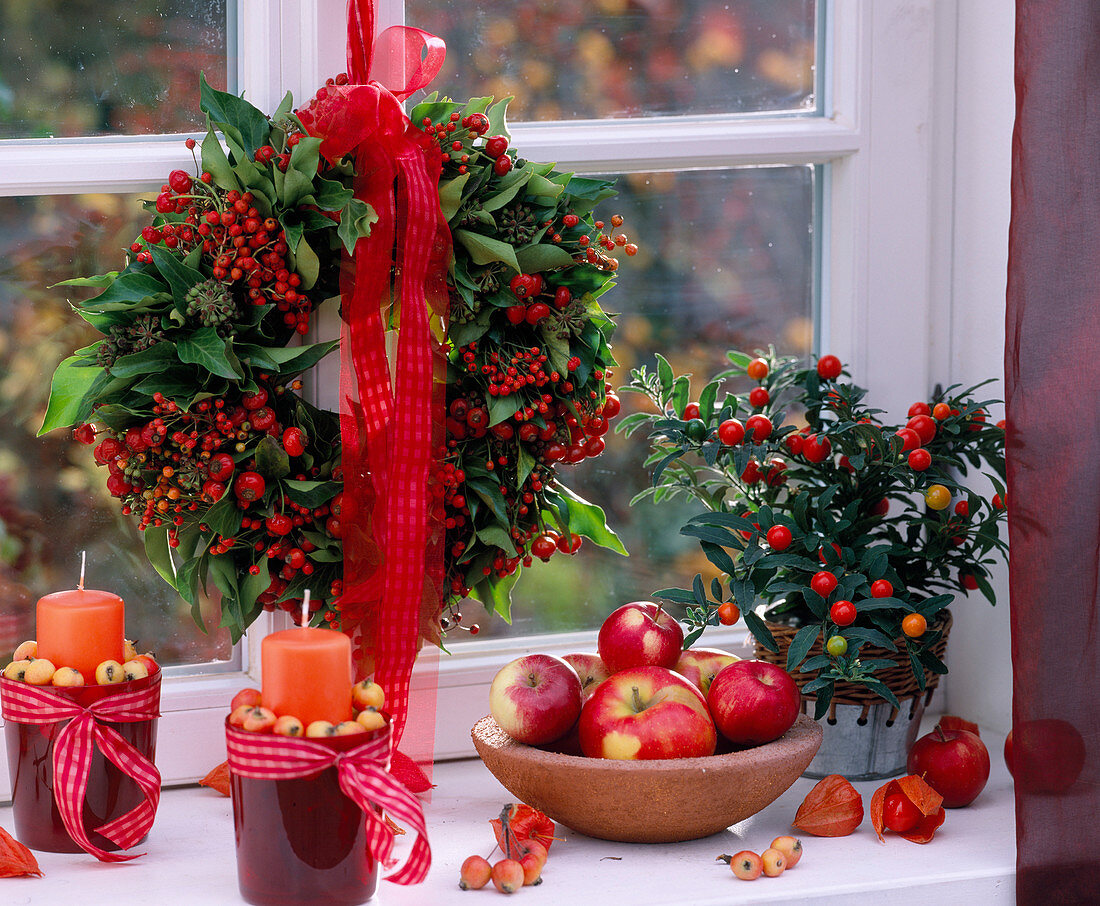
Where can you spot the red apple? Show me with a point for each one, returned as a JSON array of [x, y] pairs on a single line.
[[753, 702], [535, 699], [955, 763], [640, 634], [646, 712], [591, 670], [1047, 755], [701, 665]]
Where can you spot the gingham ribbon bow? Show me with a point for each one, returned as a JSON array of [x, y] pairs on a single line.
[[72, 755], [363, 777]]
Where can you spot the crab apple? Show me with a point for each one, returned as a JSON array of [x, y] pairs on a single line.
[[368, 694], [250, 697], [129, 652], [40, 672], [110, 672], [134, 669], [746, 865], [67, 676], [591, 670], [474, 873], [238, 714], [701, 665], [320, 728], [753, 702], [644, 713], [27, 651], [149, 661], [640, 634], [288, 725], [349, 728], [536, 698], [370, 719], [791, 847], [955, 763], [775, 863], [259, 720], [507, 876], [17, 670]]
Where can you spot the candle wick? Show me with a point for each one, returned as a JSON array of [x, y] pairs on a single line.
[[83, 562], [305, 609]]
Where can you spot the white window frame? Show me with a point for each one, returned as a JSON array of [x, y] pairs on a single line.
[[888, 147]]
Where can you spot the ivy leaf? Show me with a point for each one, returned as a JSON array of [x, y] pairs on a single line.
[[154, 360], [486, 250], [356, 219], [215, 162], [224, 518], [450, 195], [229, 110], [542, 256], [584, 518], [72, 382], [311, 493], [208, 350], [180, 277], [495, 593], [159, 553]]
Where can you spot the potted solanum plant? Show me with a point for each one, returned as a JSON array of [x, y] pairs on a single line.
[[840, 539]]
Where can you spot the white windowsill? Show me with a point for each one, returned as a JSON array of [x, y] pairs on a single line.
[[190, 857]]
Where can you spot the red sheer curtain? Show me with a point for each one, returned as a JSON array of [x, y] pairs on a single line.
[[1052, 384]]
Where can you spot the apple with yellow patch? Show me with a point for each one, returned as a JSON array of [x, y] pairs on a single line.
[[590, 669], [701, 665], [646, 713], [640, 634], [535, 699]]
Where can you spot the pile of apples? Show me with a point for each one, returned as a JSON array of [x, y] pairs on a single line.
[[643, 696], [27, 667], [247, 712]]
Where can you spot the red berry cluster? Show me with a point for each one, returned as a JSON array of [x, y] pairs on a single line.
[[243, 248], [174, 467]]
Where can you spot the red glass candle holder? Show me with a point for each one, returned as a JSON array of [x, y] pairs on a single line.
[[302, 840], [110, 794]]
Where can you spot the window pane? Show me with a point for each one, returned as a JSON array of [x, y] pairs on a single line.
[[592, 59], [53, 499], [727, 260], [110, 67]]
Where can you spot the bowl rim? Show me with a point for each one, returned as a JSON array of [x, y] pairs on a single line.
[[803, 729]]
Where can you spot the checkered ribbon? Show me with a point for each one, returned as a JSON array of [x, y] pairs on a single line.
[[387, 426], [364, 779], [72, 754]]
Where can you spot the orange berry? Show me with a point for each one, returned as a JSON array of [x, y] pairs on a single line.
[[914, 625]]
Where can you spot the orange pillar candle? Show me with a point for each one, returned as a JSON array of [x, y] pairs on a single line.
[[307, 673], [81, 628]]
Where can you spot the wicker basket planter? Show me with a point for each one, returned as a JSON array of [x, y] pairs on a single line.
[[865, 738]]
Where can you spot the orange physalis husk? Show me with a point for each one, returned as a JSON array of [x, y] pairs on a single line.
[[517, 825], [833, 808], [16, 861], [951, 722], [926, 799], [396, 829], [218, 779]]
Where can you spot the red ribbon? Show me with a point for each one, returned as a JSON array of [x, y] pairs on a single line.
[[72, 754], [364, 779], [387, 429]]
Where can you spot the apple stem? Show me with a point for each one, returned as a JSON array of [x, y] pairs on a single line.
[[725, 857], [638, 704], [939, 734]]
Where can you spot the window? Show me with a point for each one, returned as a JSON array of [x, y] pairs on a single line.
[[845, 164]]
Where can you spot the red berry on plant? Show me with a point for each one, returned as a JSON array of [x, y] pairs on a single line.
[[731, 432], [824, 583], [815, 448], [922, 409], [496, 145], [829, 367], [611, 406], [843, 613], [924, 425], [501, 166], [757, 369], [728, 614], [759, 426], [779, 537], [294, 441], [919, 459], [537, 312], [691, 410], [759, 397], [562, 297], [544, 546], [910, 439], [220, 466], [249, 486], [180, 182], [84, 434], [899, 814], [881, 588], [516, 313]]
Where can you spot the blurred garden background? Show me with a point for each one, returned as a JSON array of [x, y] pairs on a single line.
[[727, 256]]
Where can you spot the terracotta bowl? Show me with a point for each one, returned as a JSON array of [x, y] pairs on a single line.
[[662, 801]]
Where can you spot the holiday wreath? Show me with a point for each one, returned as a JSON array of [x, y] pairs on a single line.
[[192, 401]]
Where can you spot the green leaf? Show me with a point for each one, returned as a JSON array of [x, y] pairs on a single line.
[[180, 277], [215, 162], [100, 281], [356, 219], [307, 264], [495, 535], [718, 557], [676, 595], [272, 460], [122, 294], [508, 191], [224, 518], [252, 586], [311, 493], [871, 635], [541, 187], [296, 186], [229, 110], [306, 155], [542, 256], [502, 408], [706, 401], [72, 381], [587, 519], [210, 351], [801, 644], [486, 250], [760, 630], [495, 594], [159, 553], [450, 195], [664, 374]]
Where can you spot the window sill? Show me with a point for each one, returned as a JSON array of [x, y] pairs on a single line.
[[191, 856]]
